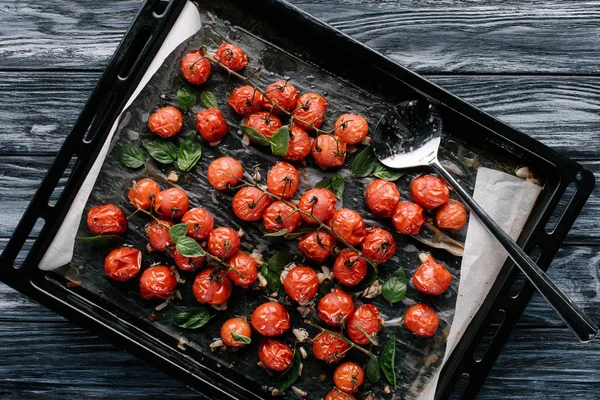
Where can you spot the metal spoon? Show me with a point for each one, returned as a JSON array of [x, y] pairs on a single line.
[[409, 136]]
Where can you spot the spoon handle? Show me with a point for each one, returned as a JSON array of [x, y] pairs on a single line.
[[583, 327]]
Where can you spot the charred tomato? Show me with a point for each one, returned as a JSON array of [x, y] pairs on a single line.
[[429, 191], [123, 264], [166, 122], [348, 377], [301, 283], [275, 355], [231, 56], [249, 203], [232, 326], [337, 394], [349, 268], [298, 145], [200, 222], [335, 308], [195, 68], [172, 203], [157, 282], [422, 320], [451, 216], [379, 245], [243, 264], [432, 278], [211, 125], [211, 287], [263, 122], [348, 225], [187, 263], [142, 193], [223, 242], [270, 319], [328, 151], [224, 172], [245, 100], [317, 245], [310, 111], [382, 197], [319, 202], [351, 128], [283, 180], [408, 218], [107, 219], [368, 318], [280, 215], [282, 93], [329, 348], [158, 235]]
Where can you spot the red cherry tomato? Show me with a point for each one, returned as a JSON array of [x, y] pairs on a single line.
[[429, 191], [382, 197], [166, 122], [270, 319], [320, 203], [106, 219], [451, 216], [422, 320], [351, 128], [283, 180], [379, 245], [328, 151], [235, 325], [195, 67], [157, 282], [263, 122], [158, 235], [282, 93], [245, 100], [245, 265], [348, 377], [349, 269], [408, 218], [336, 394], [211, 287], [249, 203], [172, 203], [299, 144], [211, 125], [143, 192], [224, 173], [329, 348], [231, 56], [432, 278], [335, 308], [200, 223], [275, 355], [123, 263], [187, 263], [280, 216], [310, 111], [349, 225], [368, 318], [317, 245], [301, 283], [223, 242]]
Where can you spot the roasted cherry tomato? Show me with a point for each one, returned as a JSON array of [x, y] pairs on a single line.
[[200, 222], [158, 235], [337, 394], [143, 192], [348, 377], [351, 128], [282, 93], [263, 122], [408, 218], [382, 197], [310, 111], [232, 326], [224, 173], [271, 319], [299, 144], [280, 216], [157, 282], [275, 355], [123, 263], [231, 56], [317, 245], [379, 245], [422, 320], [320, 203], [211, 287], [166, 122], [246, 100], [245, 265], [172, 203], [329, 348], [195, 67], [283, 180], [429, 191], [250, 203], [328, 151], [106, 219], [432, 278], [336, 308], [368, 318], [451, 216], [301, 283], [349, 225], [187, 263], [349, 269], [211, 125], [223, 242]]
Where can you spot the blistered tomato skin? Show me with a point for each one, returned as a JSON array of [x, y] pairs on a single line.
[[429, 191], [422, 320], [348, 225], [451, 216], [337, 394], [245, 100], [107, 219], [275, 355], [349, 269], [158, 235], [317, 245], [223, 242], [224, 172], [211, 125], [351, 128], [211, 287], [195, 68], [320, 203], [231, 56], [235, 325], [142, 193], [263, 122], [408, 218], [157, 282], [379, 245], [187, 263], [123, 264], [283, 180], [299, 144], [432, 278], [335, 308], [328, 151], [245, 265], [280, 216], [282, 93], [348, 377], [166, 122], [200, 222], [172, 203], [368, 318], [249, 203], [301, 283], [382, 197], [329, 348], [310, 111], [271, 319]]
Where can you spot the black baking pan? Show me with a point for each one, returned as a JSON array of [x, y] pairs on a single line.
[[320, 46]]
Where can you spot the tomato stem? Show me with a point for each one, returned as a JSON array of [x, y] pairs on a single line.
[[337, 335]]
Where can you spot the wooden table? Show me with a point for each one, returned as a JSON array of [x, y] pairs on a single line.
[[533, 64]]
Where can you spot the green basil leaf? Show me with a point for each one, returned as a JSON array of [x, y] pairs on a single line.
[[324, 184], [386, 361], [101, 241], [289, 376], [188, 247], [186, 98], [132, 156], [337, 185], [255, 135], [277, 262], [394, 288], [373, 371], [364, 162], [163, 151], [239, 338], [278, 233], [192, 318], [272, 278], [208, 99], [178, 231], [190, 152], [280, 141], [382, 172]]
